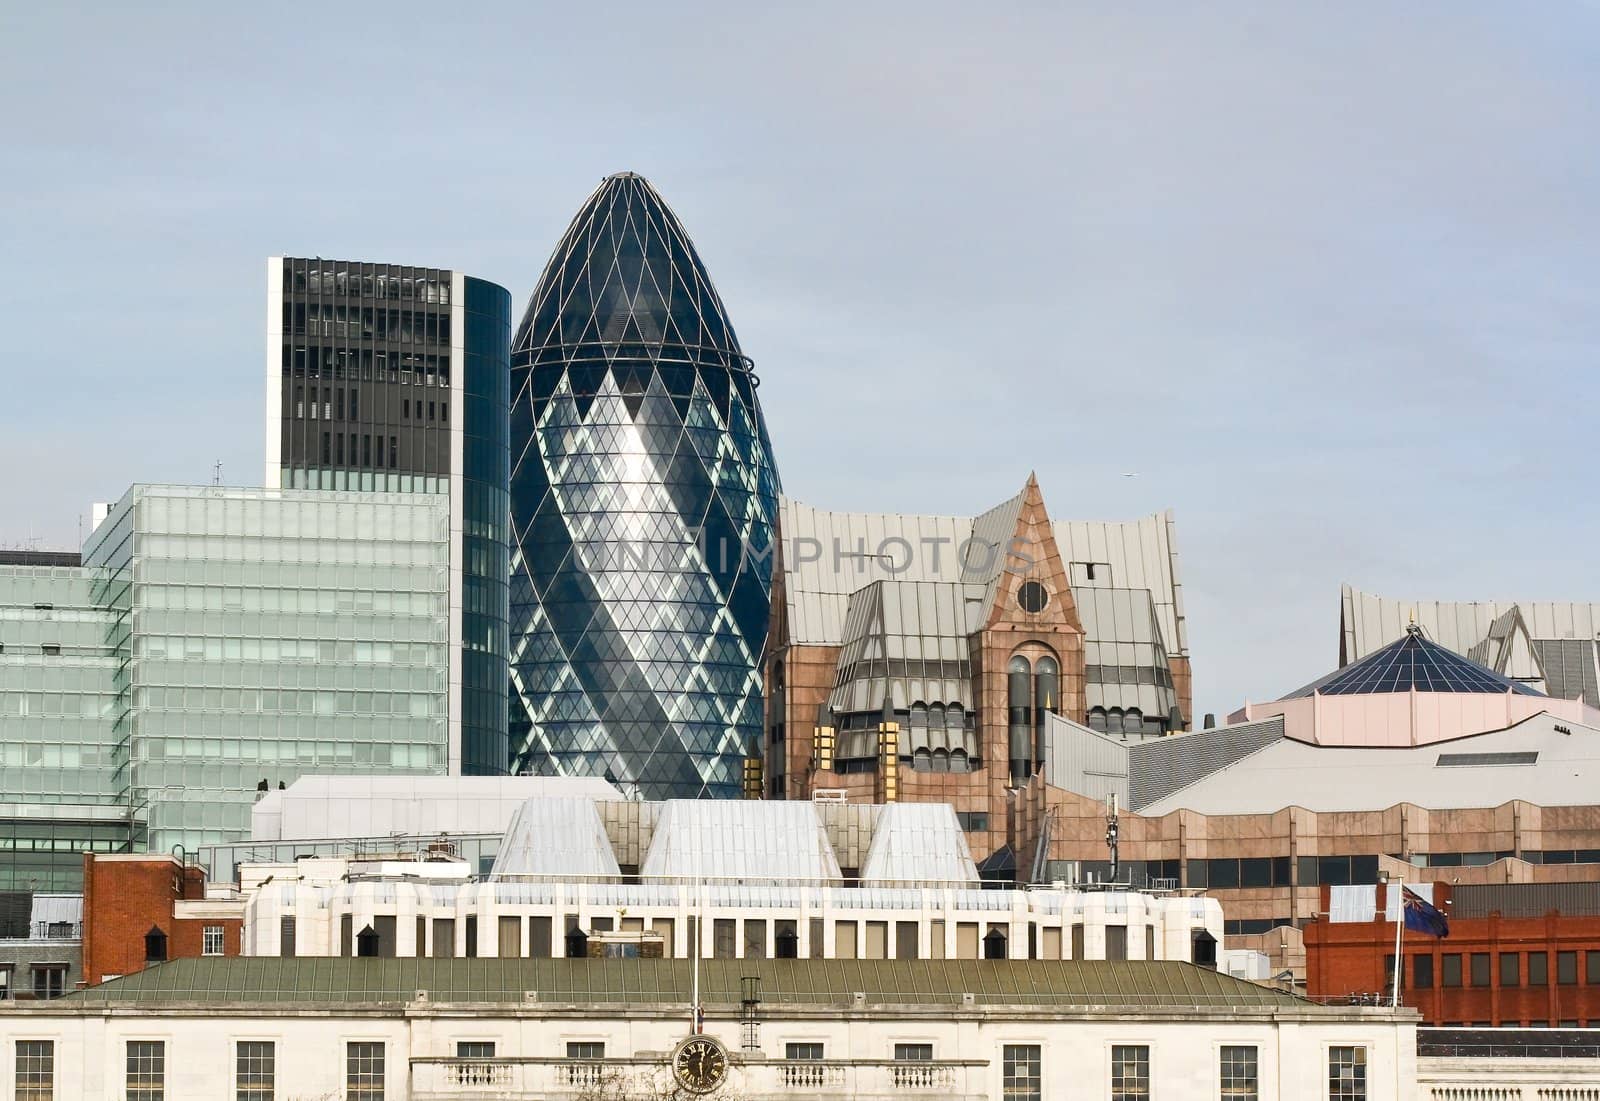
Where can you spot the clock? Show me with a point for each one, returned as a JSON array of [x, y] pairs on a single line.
[[700, 1064]]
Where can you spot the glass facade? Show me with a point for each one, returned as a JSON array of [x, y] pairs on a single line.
[[267, 634], [396, 378], [58, 706], [643, 499], [482, 549]]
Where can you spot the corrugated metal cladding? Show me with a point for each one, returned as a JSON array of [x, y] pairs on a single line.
[[1523, 900], [1571, 668], [1159, 768], [1085, 761], [829, 555]]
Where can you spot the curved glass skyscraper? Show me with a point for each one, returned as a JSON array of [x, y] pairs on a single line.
[[643, 498]]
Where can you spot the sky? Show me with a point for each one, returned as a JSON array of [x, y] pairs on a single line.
[[1325, 277]]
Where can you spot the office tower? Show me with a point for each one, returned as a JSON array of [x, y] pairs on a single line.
[[643, 501], [262, 634], [390, 378], [58, 672]]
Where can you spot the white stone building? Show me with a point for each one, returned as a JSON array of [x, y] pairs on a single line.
[[434, 1030], [763, 879]]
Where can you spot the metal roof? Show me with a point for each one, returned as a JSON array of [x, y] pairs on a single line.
[[1288, 773], [556, 836], [749, 841], [637, 982], [829, 555], [918, 843]]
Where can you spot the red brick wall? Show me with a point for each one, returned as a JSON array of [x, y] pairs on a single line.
[[123, 899], [1348, 958]]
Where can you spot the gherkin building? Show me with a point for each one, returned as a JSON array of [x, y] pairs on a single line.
[[644, 500]]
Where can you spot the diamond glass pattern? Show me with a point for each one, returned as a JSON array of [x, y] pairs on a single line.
[[643, 496]]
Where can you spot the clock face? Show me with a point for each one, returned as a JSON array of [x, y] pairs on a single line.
[[700, 1064]]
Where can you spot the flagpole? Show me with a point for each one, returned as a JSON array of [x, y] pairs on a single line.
[[1399, 927]]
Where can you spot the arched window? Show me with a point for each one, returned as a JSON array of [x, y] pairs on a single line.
[[936, 718], [959, 761], [941, 761], [1133, 721], [1019, 717], [1114, 721], [1046, 698], [922, 760], [1097, 719], [919, 715]]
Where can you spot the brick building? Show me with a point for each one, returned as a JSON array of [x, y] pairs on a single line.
[[916, 658], [1517, 954], [126, 897]]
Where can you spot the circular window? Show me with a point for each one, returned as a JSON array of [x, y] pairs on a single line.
[[1032, 597]]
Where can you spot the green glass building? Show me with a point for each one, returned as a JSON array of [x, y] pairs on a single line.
[[263, 634], [59, 793]]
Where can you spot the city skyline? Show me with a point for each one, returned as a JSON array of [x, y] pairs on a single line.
[[1332, 315]]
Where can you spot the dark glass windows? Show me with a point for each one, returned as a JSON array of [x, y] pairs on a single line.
[[1032, 597], [1020, 1077], [36, 1070], [146, 1070], [1237, 1074], [364, 1070], [1347, 1074], [1130, 1072], [255, 1070]]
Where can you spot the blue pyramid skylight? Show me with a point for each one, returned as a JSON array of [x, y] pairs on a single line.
[[1412, 662]]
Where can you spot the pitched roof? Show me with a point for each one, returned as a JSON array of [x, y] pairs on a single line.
[[356, 982], [1410, 663], [1542, 760]]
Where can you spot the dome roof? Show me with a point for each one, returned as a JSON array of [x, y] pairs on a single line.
[[1412, 663], [626, 273]]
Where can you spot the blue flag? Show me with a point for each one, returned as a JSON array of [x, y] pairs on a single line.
[[1422, 916]]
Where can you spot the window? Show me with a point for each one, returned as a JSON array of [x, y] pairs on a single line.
[[803, 1077], [1019, 1072], [1237, 1074], [1480, 969], [211, 940], [1567, 968], [1130, 1072], [256, 1070], [1452, 969], [1032, 597], [5, 980], [49, 980], [475, 1074], [1510, 969], [1422, 972], [36, 1070], [913, 1076], [802, 1051], [286, 936], [1347, 1074], [588, 1050], [363, 1070], [147, 1070], [1591, 963], [1538, 969]]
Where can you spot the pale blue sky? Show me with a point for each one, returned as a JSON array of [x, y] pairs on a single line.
[[1327, 277]]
